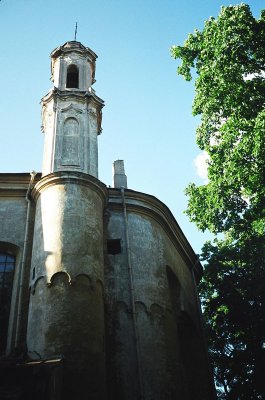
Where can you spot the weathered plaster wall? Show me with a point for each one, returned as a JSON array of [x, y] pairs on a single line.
[[70, 133], [149, 287], [13, 212], [66, 315], [13, 215]]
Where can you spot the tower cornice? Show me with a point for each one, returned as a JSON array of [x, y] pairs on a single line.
[[73, 46], [72, 177], [77, 96], [73, 93]]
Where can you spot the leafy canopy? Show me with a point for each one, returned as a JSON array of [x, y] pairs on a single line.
[[227, 59]]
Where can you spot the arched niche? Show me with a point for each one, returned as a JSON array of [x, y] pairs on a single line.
[[71, 142]]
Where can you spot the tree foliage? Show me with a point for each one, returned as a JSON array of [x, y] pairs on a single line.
[[228, 58]]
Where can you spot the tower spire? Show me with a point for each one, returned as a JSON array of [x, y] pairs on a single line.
[[75, 30]]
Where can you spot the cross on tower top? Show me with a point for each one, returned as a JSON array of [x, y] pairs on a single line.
[[75, 30]]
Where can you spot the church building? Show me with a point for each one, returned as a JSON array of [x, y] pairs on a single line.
[[98, 285]]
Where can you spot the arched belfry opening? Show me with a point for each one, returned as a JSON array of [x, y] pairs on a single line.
[[72, 79]]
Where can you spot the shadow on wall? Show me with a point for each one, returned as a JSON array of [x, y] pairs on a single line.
[[191, 355]]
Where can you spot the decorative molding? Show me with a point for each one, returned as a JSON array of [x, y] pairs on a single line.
[[73, 46], [68, 279], [70, 107], [15, 184], [63, 177], [62, 275], [92, 111]]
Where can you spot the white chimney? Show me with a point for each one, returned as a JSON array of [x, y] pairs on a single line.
[[119, 177]]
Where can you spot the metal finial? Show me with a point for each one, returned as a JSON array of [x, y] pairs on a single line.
[[75, 30]]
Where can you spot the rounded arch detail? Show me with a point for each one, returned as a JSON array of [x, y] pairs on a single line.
[[59, 278], [71, 142], [84, 280], [72, 77]]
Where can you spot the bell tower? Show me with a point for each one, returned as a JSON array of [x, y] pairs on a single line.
[[71, 112], [66, 307]]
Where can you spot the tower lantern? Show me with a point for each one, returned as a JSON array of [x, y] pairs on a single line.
[[73, 66]]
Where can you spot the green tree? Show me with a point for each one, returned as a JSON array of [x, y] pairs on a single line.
[[227, 59]]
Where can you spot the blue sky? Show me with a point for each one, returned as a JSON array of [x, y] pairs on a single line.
[[147, 118]]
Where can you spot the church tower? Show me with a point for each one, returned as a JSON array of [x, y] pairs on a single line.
[[66, 311], [71, 112]]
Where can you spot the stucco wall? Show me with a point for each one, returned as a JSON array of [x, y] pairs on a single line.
[[66, 314], [13, 215], [149, 287]]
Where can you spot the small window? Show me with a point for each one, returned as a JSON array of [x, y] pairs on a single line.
[[114, 246], [7, 266], [72, 80]]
